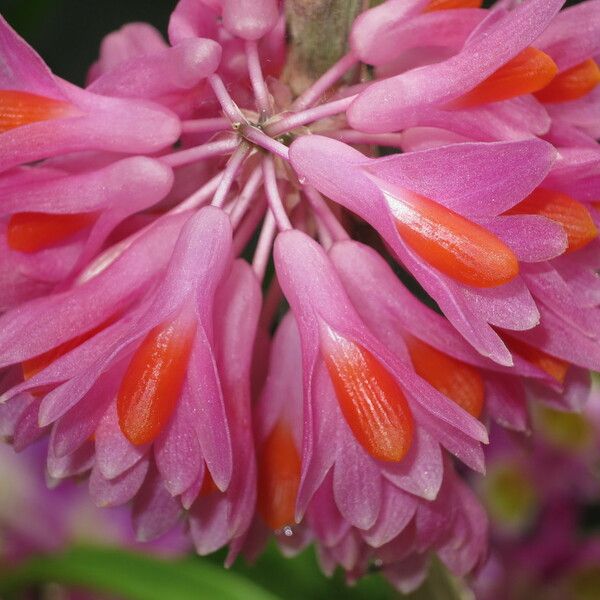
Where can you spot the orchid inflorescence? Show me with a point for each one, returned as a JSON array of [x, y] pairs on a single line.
[[144, 332]]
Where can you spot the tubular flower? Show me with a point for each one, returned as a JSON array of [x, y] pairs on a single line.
[[117, 396], [439, 355], [452, 238], [264, 301], [405, 528]]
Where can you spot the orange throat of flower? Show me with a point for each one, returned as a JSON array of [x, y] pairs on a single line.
[[528, 72], [574, 217], [278, 477], [31, 231], [154, 378], [571, 84], [458, 381], [370, 399], [555, 367], [23, 108], [455, 246], [452, 4]]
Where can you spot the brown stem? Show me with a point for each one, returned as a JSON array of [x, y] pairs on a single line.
[[319, 32]]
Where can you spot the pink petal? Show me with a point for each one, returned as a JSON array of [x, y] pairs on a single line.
[[421, 471], [80, 422], [177, 449], [162, 72], [208, 523], [155, 511], [121, 489], [357, 486], [397, 509], [250, 19], [573, 36], [381, 107], [114, 453], [133, 39]]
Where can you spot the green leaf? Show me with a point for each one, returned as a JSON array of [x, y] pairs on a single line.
[[133, 576], [440, 585], [300, 578]]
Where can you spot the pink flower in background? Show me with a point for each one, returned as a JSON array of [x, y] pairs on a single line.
[[199, 271]]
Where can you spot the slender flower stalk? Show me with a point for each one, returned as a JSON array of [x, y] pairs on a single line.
[[273, 196], [246, 196], [258, 82], [324, 213], [262, 253], [229, 107], [309, 115], [311, 96], [229, 173], [191, 155], [205, 125]]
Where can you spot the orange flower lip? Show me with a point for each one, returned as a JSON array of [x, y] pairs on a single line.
[[23, 108], [452, 244], [555, 367], [31, 231], [452, 4], [370, 399], [572, 83], [530, 71], [574, 217], [278, 477], [455, 379], [154, 378]]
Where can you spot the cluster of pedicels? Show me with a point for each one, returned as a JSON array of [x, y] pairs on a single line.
[[163, 367]]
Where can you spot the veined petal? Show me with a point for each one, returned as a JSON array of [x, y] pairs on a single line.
[[278, 477], [154, 379], [453, 378], [571, 84], [574, 217], [370, 400], [386, 105], [162, 72], [383, 34], [34, 365], [459, 248], [19, 108]]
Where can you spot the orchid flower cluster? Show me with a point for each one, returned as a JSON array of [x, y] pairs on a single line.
[[145, 335]]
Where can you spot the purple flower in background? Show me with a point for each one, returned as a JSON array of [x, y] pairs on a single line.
[[35, 518], [146, 336], [538, 493]]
